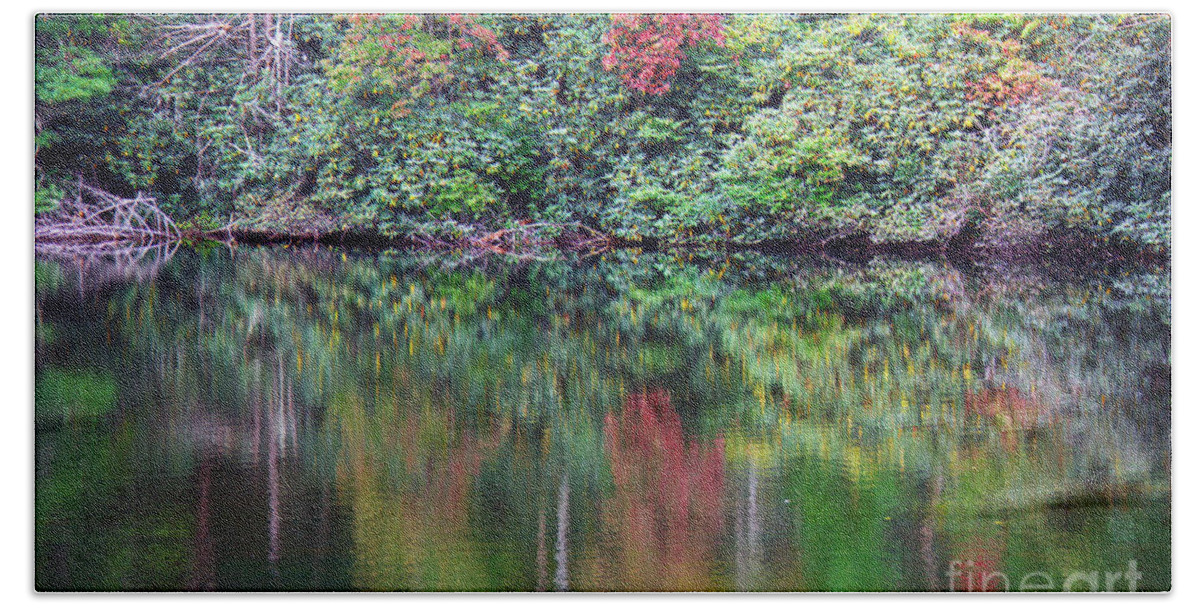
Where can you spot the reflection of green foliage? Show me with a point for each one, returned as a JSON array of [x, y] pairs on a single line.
[[74, 394], [465, 294], [655, 360], [842, 530], [445, 403], [47, 277], [83, 515], [84, 469], [151, 554]]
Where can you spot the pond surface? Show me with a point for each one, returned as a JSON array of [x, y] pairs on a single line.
[[316, 418]]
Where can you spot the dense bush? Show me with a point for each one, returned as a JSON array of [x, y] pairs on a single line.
[[684, 128]]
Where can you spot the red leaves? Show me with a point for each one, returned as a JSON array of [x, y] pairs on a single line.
[[647, 49], [975, 565], [488, 38], [1008, 408], [1003, 89]]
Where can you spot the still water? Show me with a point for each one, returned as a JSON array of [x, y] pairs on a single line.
[[316, 418]]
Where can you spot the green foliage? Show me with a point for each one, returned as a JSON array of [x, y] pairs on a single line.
[[73, 77], [461, 193], [79, 77], [896, 127], [46, 198], [67, 67]]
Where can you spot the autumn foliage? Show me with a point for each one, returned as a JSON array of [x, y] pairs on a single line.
[[992, 131], [1015, 78], [408, 56], [646, 50]]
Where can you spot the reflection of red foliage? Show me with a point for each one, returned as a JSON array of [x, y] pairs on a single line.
[[447, 471], [977, 565], [666, 512], [1007, 408], [646, 50], [1008, 402]]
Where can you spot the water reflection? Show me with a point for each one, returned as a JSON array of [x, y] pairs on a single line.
[[660, 527], [308, 418]]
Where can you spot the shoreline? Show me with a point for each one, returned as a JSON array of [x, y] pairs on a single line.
[[1075, 249]]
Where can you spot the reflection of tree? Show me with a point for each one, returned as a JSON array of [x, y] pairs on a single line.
[[409, 468], [665, 519], [459, 428], [204, 565], [560, 548], [1007, 409], [978, 557], [95, 265], [748, 532]]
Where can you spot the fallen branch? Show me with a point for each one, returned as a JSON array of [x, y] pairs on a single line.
[[587, 240], [97, 217]]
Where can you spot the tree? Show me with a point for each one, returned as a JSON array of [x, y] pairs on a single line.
[[647, 49]]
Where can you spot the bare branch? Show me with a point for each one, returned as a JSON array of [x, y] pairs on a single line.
[[98, 218]]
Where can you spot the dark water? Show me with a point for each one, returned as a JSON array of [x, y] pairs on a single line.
[[309, 418]]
